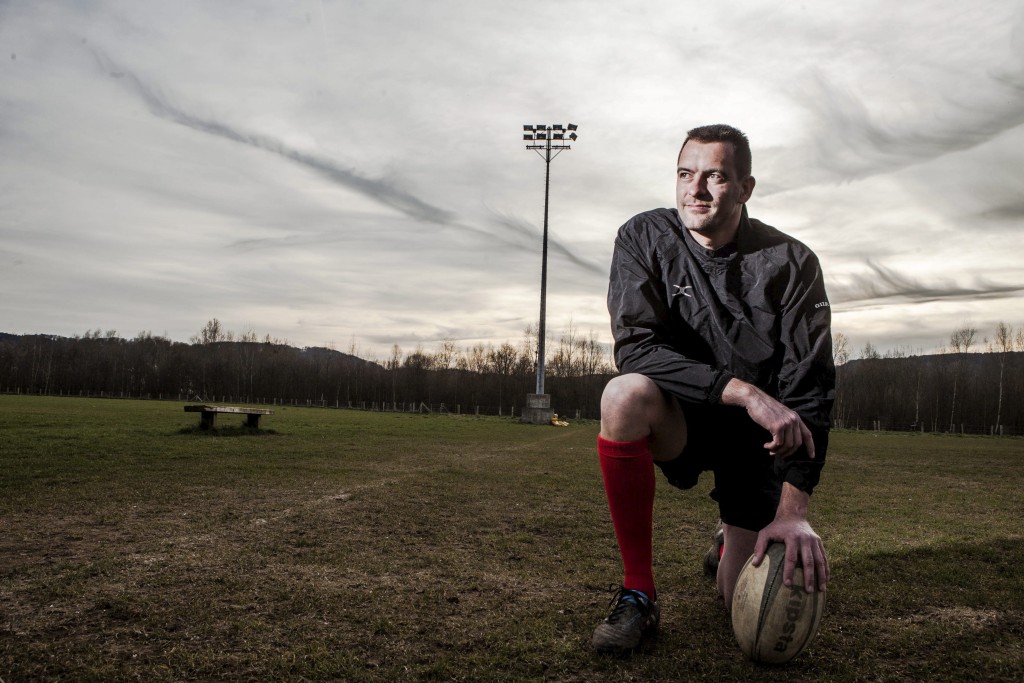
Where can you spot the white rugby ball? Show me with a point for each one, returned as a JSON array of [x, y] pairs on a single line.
[[774, 622]]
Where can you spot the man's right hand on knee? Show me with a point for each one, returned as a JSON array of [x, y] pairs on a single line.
[[786, 427]]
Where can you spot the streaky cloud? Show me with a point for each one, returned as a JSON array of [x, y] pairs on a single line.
[[376, 189], [850, 143], [533, 237], [881, 283], [383, 192], [1010, 211]]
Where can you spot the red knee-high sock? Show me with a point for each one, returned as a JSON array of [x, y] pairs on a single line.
[[628, 473]]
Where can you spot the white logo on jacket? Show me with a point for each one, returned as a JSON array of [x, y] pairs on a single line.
[[685, 290]]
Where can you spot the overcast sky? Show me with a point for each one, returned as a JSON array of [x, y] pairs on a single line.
[[337, 171]]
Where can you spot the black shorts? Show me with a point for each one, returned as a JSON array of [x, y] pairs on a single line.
[[724, 440]]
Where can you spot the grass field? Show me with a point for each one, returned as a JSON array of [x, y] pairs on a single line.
[[341, 545]]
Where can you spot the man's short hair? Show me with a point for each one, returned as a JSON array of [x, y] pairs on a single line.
[[720, 132]]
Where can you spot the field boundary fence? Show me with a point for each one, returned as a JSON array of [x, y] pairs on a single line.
[[510, 410]]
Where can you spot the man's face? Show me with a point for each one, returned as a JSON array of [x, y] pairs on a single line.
[[709, 192]]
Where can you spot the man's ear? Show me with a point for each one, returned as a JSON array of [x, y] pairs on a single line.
[[748, 188]]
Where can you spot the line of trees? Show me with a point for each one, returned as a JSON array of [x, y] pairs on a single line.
[[971, 386], [218, 364]]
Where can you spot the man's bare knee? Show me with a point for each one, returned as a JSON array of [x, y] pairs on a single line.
[[630, 392], [631, 406]]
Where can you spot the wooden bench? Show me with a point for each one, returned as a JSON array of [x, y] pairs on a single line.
[[208, 416]]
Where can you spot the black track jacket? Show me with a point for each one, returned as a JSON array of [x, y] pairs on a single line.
[[691, 319]]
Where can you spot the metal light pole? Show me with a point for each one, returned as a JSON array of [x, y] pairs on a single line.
[[545, 139]]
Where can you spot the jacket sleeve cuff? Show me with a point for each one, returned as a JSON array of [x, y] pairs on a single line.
[[801, 471], [804, 475], [718, 388]]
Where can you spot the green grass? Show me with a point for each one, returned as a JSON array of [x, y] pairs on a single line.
[[341, 545]]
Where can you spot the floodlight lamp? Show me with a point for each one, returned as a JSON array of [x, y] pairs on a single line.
[[558, 126], [573, 136], [572, 126], [542, 136], [527, 136], [557, 136], [542, 126], [528, 128]]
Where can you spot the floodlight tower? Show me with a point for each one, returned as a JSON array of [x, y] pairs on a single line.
[[548, 140]]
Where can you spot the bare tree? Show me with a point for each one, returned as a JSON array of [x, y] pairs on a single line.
[[445, 354], [392, 365], [528, 346], [840, 348], [959, 343], [962, 339], [212, 332], [417, 367], [592, 358], [503, 361], [840, 356], [564, 362], [247, 354], [474, 359], [1003, 345]]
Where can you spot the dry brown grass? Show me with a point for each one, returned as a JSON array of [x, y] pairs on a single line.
[[368, 547]]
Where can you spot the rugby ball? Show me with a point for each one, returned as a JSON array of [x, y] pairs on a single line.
[[774, 622]]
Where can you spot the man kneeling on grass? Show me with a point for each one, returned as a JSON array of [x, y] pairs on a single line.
[[721, 327]]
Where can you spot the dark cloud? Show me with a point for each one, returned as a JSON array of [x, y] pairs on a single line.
[[882, 283], [1010, 211]]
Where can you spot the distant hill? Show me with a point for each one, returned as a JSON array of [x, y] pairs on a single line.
[[312, 351]]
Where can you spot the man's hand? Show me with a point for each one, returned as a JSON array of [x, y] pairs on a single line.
[[790, 526], [786, 427]]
